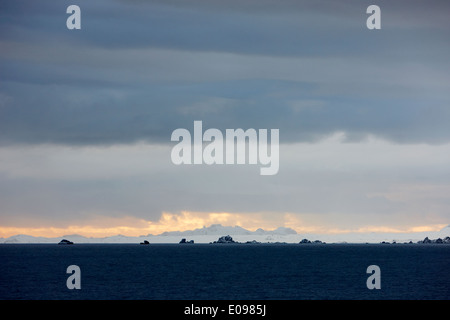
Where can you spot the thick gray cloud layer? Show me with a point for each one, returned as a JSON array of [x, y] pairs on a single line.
[[137, 70], [75, 103]]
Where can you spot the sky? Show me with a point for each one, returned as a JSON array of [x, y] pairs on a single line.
[[86, 115]]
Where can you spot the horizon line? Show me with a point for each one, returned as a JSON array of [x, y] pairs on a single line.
[[361, 230]]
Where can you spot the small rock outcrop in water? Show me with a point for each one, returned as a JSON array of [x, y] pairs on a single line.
[[145, 242], [303, 241], [64, 241], [225, 239], [446, 240], [184, 241]]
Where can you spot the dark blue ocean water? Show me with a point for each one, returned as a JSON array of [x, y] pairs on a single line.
[[236, 272]]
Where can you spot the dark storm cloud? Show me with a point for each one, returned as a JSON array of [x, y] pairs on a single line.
[[137, 70]]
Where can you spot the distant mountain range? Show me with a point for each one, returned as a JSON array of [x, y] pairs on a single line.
[[213, 232], [219, 230]]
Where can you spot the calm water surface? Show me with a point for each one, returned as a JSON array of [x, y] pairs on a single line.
[[204, 271]]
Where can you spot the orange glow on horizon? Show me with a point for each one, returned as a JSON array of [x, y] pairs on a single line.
[[129, 226]]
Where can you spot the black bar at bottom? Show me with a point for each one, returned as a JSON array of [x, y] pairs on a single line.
[[221, 309]]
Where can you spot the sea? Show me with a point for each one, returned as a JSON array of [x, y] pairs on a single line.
[[225, 271]]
